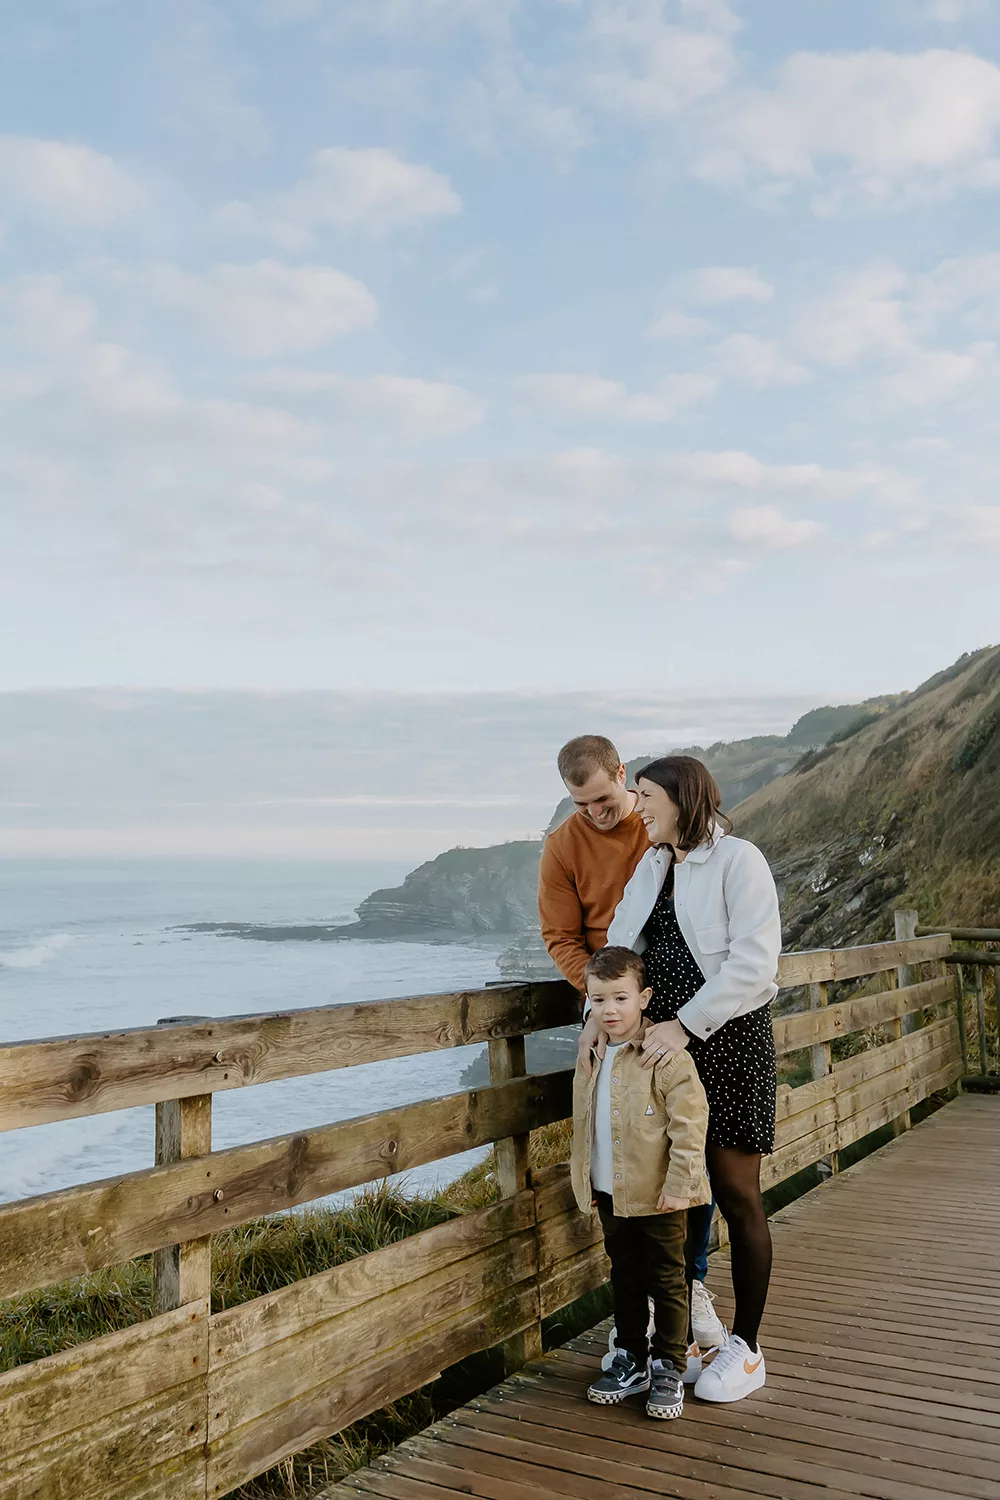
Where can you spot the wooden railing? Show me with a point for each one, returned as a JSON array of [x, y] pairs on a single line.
[[191, 1403], [984, 1031]]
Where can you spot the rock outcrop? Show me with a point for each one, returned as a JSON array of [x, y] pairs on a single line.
[[903, 812]]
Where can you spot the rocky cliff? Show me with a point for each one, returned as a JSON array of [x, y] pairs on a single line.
[[905, 811]]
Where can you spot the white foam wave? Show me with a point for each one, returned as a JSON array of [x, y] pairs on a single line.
[[37, 953]]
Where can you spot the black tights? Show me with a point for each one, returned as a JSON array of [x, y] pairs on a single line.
[[735, 1177]]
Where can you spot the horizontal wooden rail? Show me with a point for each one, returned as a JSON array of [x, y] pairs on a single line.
[[806, 1028], [58, 1235], [826, 965], [972, 958], [965, 934], [68, 1077]]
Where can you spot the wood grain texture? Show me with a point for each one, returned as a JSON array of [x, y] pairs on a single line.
[[183, 1273], [50, 1238], [571, 1278], [824, 965], [898, 1411], [120, 1416], [328, 1407], [69, 1077], [807, 1028], [257, 1325], [320, 1353]]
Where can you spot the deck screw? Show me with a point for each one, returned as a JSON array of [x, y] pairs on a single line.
[[218, 1195]]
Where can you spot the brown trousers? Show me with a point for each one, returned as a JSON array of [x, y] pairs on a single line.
[[647, 1255]]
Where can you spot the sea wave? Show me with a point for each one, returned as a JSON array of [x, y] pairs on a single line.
[[38, 953]]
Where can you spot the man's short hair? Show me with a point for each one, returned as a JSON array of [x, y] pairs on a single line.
[[580, 758], [615, 963]]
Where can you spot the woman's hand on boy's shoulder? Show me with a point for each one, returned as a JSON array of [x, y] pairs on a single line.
[[662, 1042]]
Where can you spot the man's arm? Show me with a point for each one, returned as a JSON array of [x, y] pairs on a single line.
[[561, 917]]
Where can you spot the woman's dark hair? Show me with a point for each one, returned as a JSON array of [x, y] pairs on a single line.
[[695, 791]]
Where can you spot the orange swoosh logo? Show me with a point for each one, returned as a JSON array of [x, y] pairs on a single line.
[[752, 1369]]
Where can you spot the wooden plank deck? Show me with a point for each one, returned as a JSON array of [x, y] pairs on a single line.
[[882, 1339]]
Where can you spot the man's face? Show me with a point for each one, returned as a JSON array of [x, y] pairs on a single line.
[[602, 799]]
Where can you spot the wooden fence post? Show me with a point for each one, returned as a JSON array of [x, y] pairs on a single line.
[[183, 1273], [512, 1157], [821, 1058], [906, 974]]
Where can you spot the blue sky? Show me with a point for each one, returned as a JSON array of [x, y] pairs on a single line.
[[433, 345]]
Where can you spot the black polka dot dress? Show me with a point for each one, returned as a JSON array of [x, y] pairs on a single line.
[[737, 1064]]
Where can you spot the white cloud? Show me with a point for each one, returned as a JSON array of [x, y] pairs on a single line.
[[707, 287], [897, 324], [367, 189], [757, 362], [862, 315], [673, 324], [64, 185], [589, 396], [45, 316], [267, 308], [711, 286], [978, 524], [932, 375], [945, 12], [650, 59], [764, 526], [878, 123], [417, 408]]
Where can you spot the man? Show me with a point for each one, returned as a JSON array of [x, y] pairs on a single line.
[[586, 864], [588, 860]]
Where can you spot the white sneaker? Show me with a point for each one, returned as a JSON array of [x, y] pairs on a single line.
[[735, 1372], [706, 1327]]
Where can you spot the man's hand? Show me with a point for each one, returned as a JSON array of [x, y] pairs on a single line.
[[663, 1040], [665, 1205], [591, 1036]]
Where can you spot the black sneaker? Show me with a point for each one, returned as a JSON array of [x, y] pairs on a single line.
[[626, 1377], [666, 1395]]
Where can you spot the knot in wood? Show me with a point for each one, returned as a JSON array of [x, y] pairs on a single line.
[[84, 1078]]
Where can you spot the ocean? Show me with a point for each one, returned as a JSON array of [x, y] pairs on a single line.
[[87, 945]]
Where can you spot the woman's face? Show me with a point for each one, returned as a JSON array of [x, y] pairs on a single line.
[[658, 813]]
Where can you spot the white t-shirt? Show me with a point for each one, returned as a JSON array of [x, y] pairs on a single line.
[[601, 1173]]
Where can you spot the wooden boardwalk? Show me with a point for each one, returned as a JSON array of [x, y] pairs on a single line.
[[882, 1339]]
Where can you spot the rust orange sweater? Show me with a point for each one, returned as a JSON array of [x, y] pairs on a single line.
[[580, 882]]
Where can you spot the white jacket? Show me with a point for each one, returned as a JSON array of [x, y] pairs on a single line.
[[727, 910]]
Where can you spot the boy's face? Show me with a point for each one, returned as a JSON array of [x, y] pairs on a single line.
[[617, 1005]]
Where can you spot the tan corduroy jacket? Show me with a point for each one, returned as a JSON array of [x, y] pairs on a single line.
[[659, 1117]]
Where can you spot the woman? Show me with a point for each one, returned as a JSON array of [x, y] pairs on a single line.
[[703, 908]]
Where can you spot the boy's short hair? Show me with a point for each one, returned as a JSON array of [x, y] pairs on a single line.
[[615, 963]]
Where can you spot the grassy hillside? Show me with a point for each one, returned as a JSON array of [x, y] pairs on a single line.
[[902, 810]]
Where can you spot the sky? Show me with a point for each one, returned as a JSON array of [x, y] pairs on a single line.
[[475, 345], [127, 773]]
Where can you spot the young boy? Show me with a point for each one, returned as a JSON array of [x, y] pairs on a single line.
[[639, 1153]]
